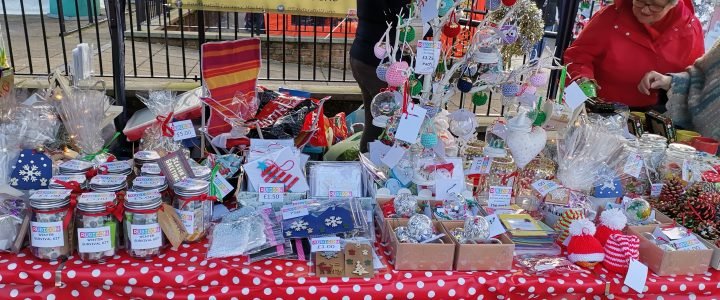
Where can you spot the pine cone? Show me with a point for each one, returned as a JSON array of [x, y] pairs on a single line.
[[670, 198], [707, 230]]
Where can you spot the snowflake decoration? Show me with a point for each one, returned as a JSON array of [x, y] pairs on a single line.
[[310, 230], [30, 173], [333, 221], [43, 181], [365, 252], [299, 225], [13, 181], [328, 254], [288, 233]]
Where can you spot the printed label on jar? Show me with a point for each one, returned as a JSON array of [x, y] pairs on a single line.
[[94, 239], [149, 181], [68, 178], [145, 236], [76, 165], [150, 169], [50, 194], [147, 155], [47, 234], [145, 196], [117, 166], [108, 179], [97, 197], [188, 220]]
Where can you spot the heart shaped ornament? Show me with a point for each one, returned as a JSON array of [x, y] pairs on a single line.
[[525, 144]]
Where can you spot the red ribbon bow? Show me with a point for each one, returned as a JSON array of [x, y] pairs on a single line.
[[167, 130], [202, 197], [74, 186]]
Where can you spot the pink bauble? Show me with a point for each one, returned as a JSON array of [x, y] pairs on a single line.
[[396, 73], [379, 50]]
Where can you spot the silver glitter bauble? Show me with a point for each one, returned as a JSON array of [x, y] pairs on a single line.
[[477, 229], [455, 206], [420, 227], [405, 205]]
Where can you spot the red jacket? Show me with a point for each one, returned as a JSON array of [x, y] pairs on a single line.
[[616, 50]]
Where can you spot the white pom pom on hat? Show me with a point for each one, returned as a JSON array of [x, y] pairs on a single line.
[[581, 227], [614, 219]]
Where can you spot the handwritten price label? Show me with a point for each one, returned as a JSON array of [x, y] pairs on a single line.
[[480, 165], [294, 211], [545, 186], [656, 189], [272, 192], [428, 55], [634, 165], [325, 244], [183, 130], [500, 196]]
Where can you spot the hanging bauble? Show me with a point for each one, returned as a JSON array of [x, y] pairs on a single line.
[[407, 34], [464, 84], [528, 19], [380, 50], [406, 205], [451, 29], [444, 8], [480, 98], [429, 140], [509, 34], [493, 4], [462, 123], [382, 107], [524, 141], [397, 73], [509, 2], [381, 71], [510, 89], [415, 86], [538, 79]]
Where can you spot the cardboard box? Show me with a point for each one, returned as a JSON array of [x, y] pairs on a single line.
[[715, 260], [480, 257], [420, 257], [670, 262], [662, 218]]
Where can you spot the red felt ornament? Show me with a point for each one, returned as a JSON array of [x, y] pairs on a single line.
[[509, 2], [451, 28]]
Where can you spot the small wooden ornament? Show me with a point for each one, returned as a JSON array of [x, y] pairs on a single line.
[[359, 260], [329, 264], [172, 226]]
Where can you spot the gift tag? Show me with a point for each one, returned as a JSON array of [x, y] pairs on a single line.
[[429, 11], [294, 211], [428, 55], [574, 96], [323, 244], [545, 186], [480, 165], [330, 264], [636, 276], [656, 189], [393, 156], [377, 151], [183, 130], [358, 260], [633, 165], [271, 192], [223, 186], [499, 196], [410, 124], [496, 227], [175, 167], [95, 197]]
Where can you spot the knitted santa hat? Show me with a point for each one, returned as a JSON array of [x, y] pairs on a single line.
[[584, 249], [564, 221], [619, 249], [612, 221]]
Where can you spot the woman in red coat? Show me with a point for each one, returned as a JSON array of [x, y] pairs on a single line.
[[630, 38]]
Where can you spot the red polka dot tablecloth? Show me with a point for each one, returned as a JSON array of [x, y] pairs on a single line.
[[185, 274]]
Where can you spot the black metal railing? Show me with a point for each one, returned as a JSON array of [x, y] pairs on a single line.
[[163, 41]]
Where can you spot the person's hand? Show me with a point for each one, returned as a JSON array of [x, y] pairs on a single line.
[[654, 80]]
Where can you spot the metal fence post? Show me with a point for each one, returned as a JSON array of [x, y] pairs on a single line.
[[116, 21], [568, 13]]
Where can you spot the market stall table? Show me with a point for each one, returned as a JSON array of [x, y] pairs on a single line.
[[185, 274]]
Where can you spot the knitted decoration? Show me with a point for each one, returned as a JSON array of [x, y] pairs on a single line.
[[564, 222], [584, 249], [612, 221], [396, 73], [619, 250], [381, 71], [510, 89]]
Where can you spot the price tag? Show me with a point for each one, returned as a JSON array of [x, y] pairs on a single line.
[[377, 151], [633, 165], [272, 192], [410, 124], [294, 211], [96, 197], [223, 186], [499, 196], [480, 165], [325, 244], [496, 227], [545, 186], [636, 276], [428, 55], [393, 156], [574, 96], [183, 130], [656, 189]]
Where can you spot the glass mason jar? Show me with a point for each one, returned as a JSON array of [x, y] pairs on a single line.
[[202, 173], [63, 182], [672, 164], [142, 234], [97, 227], [49, 230], [74, 167], [158, 183], [150, 169], [501, 173], [144, 157], [652, 149], [192, 208]]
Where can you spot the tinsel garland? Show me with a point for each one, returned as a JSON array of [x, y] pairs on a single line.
[[530, 25]]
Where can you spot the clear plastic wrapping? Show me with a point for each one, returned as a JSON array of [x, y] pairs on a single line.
[[245, 232], [82, 113], [333, 177], [159, 136], [12, 212]]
